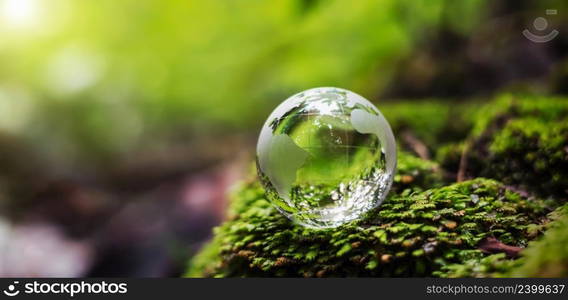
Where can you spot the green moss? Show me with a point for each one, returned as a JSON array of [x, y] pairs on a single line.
[[410, 234], [547, 257], [521, 141], [449, 156], [412, 174], [416, 174], [508, 106], [495, 265], [204, 263]]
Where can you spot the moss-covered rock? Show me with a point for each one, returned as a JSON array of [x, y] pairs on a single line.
[[416, 174], [495, 265], [413, 174], [547, 257], [428, 226], [544, 257], [410, 234], [521, 141]]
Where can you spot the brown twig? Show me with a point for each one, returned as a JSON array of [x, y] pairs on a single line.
[[493, 245], [461, 176], [416, 144]]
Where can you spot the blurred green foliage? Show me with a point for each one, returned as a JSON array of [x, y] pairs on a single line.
[[102, 78]]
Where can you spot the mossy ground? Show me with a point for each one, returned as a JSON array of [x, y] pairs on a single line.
[[520, 141], [430, 225]]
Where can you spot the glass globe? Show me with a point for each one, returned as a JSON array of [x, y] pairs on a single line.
[[326, 156]]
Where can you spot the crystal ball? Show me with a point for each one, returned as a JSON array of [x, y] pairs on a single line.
[[325, 157]]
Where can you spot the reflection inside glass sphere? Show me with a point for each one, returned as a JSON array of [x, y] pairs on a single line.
[[325, 156]]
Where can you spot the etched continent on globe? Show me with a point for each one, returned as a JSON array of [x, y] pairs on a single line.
[[326, 156]]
